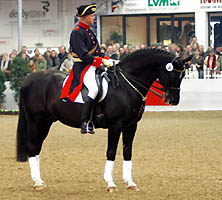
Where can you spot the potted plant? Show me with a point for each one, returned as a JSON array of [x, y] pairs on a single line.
[[20, 70], [115, 37]]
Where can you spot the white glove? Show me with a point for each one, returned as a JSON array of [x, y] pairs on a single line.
[[116, 61], [108, 63]]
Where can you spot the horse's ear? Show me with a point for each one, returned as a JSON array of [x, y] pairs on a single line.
[[187, 59]]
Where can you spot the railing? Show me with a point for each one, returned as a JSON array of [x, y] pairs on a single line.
[[192, 73]]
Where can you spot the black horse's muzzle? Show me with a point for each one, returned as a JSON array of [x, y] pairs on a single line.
[[172, 96]]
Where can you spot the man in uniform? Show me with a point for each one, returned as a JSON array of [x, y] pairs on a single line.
[[86, 51]]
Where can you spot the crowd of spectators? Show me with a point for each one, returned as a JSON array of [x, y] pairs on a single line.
[[49, 59], [210, 59]]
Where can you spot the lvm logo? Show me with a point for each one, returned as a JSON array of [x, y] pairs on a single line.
[[165, 3]]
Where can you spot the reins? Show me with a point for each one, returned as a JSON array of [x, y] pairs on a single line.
[[128, 78], [143, 97], [146, 88]]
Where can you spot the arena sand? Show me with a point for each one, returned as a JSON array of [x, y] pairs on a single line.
[[177, 156]]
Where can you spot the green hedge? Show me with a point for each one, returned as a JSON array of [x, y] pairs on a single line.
[[9, 112], [19, 71], [2, 87]]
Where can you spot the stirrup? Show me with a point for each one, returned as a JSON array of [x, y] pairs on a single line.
[[87, 127]]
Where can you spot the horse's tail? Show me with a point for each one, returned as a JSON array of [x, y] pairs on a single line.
[[22, 133]]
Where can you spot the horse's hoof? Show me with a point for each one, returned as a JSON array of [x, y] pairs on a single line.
[[112, 189], [135, 188], [39, 187]]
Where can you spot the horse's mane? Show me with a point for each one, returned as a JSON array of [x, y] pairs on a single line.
[[147, 52]]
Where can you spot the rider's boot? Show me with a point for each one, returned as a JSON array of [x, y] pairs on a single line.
[[87, 124]]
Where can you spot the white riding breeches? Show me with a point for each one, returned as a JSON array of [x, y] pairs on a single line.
[[89, 81]]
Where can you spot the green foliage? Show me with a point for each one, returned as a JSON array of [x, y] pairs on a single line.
[[116, 38], [19, 71], [2, 87]]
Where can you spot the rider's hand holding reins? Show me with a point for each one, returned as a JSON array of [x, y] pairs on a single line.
[[107, 63]]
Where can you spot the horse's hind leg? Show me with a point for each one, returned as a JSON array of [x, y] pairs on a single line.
[[38, 130], [128, 136]]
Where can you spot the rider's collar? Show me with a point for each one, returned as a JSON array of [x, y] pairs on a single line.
[[84, 25]]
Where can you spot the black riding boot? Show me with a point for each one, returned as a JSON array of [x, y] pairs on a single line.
[[87, 124]]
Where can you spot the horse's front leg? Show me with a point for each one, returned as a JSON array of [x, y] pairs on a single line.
[[113, 139], [128, 136]]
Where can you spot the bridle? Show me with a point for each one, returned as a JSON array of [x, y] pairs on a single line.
[[128, 78], [176, 70]]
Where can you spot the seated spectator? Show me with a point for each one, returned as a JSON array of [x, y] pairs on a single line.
[[46, 55], [125, 52], [115, 52], [24, 56], [121, 53], [159, 46], [142, 46], [188, 51], [68, 63], [103, 51], [103, 45], [40, 64], [110, 53], [62, 54], [202, 52], [219, 64], [210, 62], [34, 58], [219, 50], [5, 66], [194, 40], [180, 51], [133, 49], [24, 51], [172, 48], [195, 46], [14, 51], [197, 64], [117, 45], [11, 58], [54, 61], [32, 64]]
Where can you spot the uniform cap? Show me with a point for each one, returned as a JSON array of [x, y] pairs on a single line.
[[85, 10]]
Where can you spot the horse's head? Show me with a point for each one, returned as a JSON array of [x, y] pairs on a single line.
[[170, 78]]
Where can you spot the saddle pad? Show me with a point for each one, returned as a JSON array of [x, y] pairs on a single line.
[[79, 98]]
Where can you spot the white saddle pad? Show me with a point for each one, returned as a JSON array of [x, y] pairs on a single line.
[[79, 98]]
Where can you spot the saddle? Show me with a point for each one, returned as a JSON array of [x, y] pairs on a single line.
[[100, 75]]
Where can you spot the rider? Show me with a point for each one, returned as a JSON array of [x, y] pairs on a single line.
[[86, 52]]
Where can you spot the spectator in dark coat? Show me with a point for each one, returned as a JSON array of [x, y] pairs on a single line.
[[202, 52], [110, 53], [197, 63], [62, 54], [54, 61], [24, 50], [35, 57]]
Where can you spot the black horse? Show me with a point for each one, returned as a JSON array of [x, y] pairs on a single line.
[[40, 105]]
